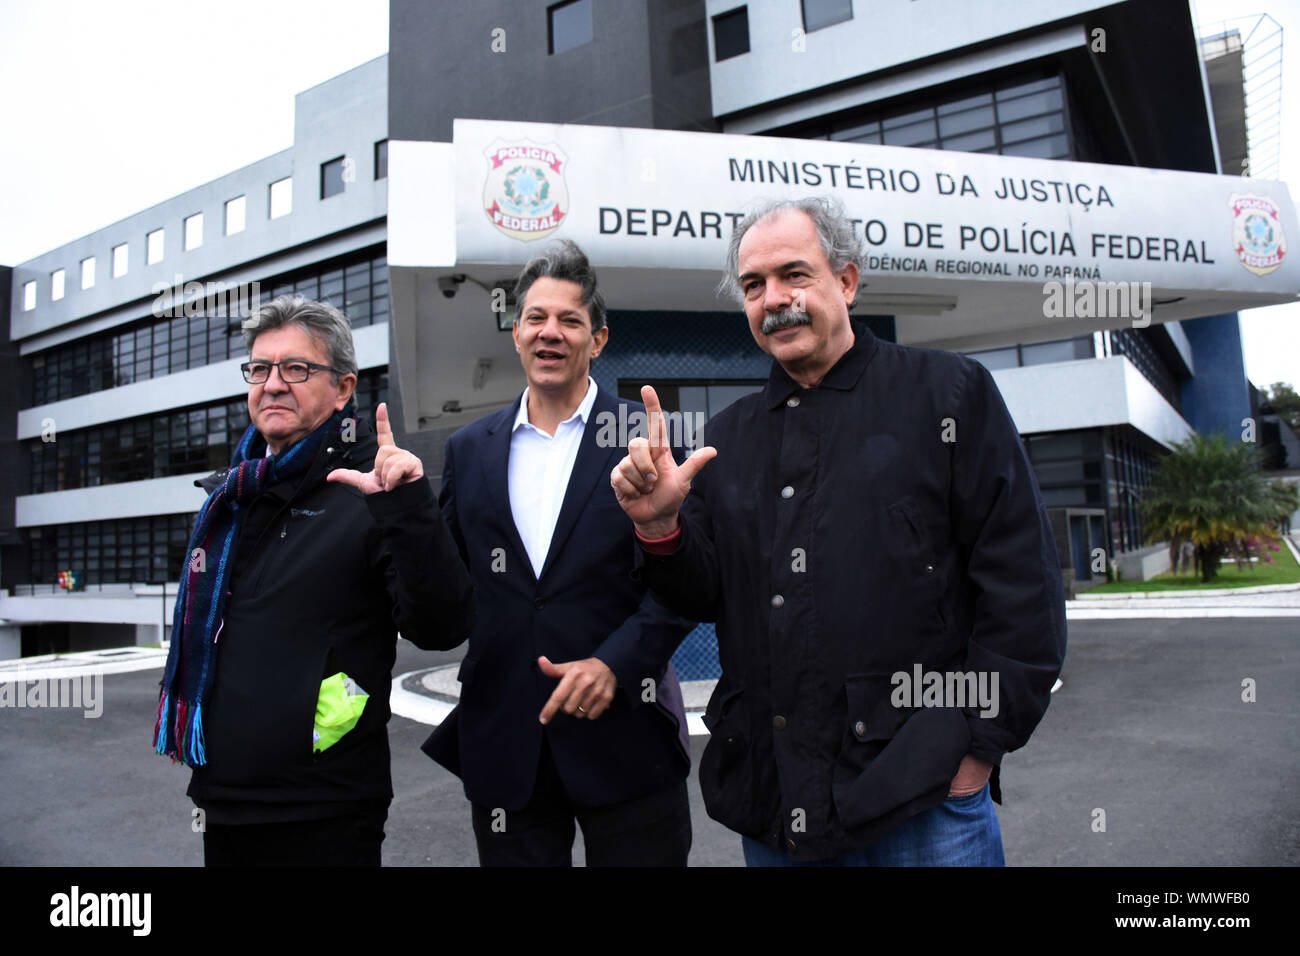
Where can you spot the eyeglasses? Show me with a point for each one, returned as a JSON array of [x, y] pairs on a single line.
[[291, 373]]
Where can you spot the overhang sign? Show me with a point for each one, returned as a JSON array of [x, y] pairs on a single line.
[[663, 199]]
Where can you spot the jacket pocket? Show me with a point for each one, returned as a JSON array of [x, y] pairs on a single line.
[[891, 755], [726, 768], [918, 560]]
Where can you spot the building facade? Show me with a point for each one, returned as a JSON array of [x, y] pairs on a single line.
[[125, 391], [127, 345]]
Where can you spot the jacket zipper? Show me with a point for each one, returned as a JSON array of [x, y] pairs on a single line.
[[284, 530]]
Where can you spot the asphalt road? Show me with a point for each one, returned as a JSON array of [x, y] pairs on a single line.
[[1149, 727]]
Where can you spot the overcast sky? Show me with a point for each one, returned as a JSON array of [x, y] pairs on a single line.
[[113, 107]]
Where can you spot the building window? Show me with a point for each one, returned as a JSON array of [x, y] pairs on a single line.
[[693, 401], [280, 201], [88, 272], [1021, 119], [381, 159], [29, 295], [132, 550], [193, 235], [120, 260], [731, 34], [178, 442], [235, 215], [568, 25], [57, 280], [1040, 353], [153, 247], [153, 347], [825, 13], [331, 178], [1135, 345]]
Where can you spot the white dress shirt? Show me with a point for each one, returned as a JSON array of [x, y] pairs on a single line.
[[540, 466]]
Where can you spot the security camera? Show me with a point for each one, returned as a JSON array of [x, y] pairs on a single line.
[[449, 285]]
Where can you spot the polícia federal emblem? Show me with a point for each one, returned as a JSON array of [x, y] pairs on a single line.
[[525, 195], [1257, 233]]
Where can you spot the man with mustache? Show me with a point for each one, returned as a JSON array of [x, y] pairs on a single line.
[[569, 707], [870, 514], [317, 545]]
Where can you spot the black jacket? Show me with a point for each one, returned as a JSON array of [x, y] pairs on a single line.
[[587, 603], [886, 519], [323, 579]]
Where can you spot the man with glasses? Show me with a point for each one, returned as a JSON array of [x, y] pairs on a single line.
[[314, 549]]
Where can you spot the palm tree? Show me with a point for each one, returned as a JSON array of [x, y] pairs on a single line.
[[1209, 494]]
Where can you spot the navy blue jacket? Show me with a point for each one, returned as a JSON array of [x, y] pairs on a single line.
[[588, 603], [884, 521]]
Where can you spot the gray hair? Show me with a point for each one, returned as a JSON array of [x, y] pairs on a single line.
[[325, 324], [564, 260], [839, 241]]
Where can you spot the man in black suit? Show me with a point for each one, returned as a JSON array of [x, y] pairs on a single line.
[[527, 499]]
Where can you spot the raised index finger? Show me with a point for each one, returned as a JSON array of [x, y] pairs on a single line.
[[383, 430], [654, 417], [651, 399]]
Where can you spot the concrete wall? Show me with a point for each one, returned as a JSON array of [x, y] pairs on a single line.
[[1090, 393], [1144, 564]]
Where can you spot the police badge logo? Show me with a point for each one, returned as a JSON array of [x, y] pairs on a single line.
[[525, 195], [1257, 233]]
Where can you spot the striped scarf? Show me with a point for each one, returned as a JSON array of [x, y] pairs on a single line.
[[196, 623]]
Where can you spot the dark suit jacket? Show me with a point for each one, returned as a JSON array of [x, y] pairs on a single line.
[[589, 602]]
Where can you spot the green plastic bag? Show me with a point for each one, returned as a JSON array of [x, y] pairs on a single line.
[[338, 708]]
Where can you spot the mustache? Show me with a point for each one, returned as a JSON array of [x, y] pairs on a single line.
[[784, 320]]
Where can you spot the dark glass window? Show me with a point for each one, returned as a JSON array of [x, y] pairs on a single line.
[[568, 25], [158, 446], [1066, 350], [381, 159], [824, 13], [1013, 356], [1023, 119], [157, 347], [696, 400], [994, 359], [133, 550], [731, 34], [331, 178], [1134, 345]]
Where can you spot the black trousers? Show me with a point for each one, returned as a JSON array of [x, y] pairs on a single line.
[[350, 839], [654, 830]]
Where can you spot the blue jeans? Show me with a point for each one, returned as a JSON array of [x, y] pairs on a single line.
[[961, 831]]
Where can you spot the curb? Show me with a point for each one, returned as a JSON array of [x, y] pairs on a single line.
[[120, 660], [1207, 592]]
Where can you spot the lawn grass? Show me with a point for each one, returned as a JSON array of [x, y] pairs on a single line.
[[1283, 570]]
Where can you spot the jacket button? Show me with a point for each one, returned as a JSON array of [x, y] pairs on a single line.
[[539, 604], [791, 845], [793, 401], [778, 722], [929, 569], [787, 492], [778, 601], [860, 728]]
